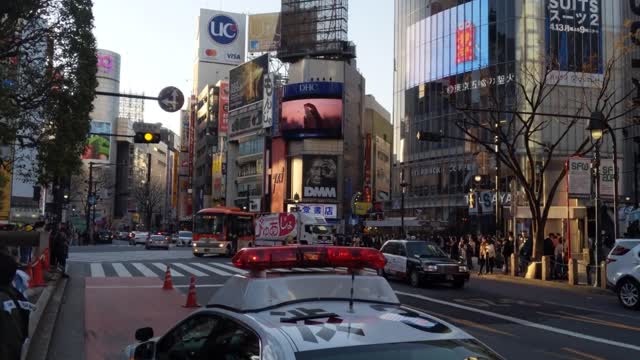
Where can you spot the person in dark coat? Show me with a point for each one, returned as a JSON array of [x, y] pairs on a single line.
[[507, 250], [14, 311], [61, 248]]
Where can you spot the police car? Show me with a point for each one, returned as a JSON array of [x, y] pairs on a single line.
[[307, 316]]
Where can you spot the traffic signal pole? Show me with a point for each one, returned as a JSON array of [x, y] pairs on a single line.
[[148, 190], [89, 225]]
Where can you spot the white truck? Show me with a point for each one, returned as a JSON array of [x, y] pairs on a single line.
[[283, 229]]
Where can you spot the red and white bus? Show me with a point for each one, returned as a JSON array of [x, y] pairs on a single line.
[[222, 230]]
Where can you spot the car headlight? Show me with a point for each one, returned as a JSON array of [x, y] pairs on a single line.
[[430, 268], [220, 245], [194, 244], [462, 268]]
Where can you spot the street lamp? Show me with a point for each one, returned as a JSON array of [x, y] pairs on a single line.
[[403, 185], [596, 129], [477, 178]]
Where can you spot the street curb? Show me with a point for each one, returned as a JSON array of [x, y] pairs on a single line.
[[540, 283], [48, 307]]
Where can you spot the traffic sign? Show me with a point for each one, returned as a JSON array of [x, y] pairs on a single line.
[[171, 99]]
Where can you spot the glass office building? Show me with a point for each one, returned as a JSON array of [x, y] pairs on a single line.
[[452, 55]]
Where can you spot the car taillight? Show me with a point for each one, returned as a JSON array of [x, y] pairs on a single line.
[[308, 256]]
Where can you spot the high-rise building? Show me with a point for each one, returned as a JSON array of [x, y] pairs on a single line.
[[451, 56]]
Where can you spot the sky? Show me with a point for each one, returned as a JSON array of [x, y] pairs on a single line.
[[156, 42]]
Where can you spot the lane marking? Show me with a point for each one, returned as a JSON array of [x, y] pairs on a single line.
[[212, 269], [279, 270], [121, 270], [163, 268], [592, 310], [148, 286], [525, 322], [189, 269], [144, 270], [583, 354], [300, 270], [570, 316], [319, 269], [97, 270]]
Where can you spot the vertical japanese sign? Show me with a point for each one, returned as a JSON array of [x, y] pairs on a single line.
[[367, 169], [574, 41], [5, 193], [267, 101], [223, 108]]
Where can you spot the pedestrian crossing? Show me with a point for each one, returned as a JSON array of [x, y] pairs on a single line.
[[183, 269]]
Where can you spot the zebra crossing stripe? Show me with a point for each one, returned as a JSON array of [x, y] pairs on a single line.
[[189, 269], [97, 270], [319, 269], [279, 270], [212, 269], [231, 268], [163, 268], [300, 270], [144, 270], [121, 270]]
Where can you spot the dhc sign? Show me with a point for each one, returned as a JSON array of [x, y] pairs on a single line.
[[318, 89]]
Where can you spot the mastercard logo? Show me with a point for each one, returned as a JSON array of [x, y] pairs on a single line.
[[210, 52]]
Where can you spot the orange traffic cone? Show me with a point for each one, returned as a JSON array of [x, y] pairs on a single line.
[[37, 279], [45, 256], [192, 302], [168, 283]]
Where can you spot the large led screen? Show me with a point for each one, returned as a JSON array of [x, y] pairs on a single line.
[[311, 118], [320, 176], [98, 146], [451, 42]]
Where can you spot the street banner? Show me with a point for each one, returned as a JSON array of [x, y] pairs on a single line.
[[579, 177], [607, 180]]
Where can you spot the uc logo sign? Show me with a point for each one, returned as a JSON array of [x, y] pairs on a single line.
[[223, 29]]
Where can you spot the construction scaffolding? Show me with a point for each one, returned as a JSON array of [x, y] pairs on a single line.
[[315, 28], [130, 108]]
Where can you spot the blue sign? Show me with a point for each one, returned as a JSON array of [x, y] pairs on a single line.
[[452, 42], [318, 89], [223, 29]]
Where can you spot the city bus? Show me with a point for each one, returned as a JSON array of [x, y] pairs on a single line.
[[222, 230]]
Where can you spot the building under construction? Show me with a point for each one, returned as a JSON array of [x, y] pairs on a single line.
[[314, 28]]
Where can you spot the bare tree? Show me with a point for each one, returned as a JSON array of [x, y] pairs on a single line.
[[149, 198], [514, 127]]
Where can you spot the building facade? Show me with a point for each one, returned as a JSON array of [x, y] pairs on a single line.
[[453, 55]]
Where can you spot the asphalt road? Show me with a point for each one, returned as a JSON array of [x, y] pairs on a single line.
[[520, 321]]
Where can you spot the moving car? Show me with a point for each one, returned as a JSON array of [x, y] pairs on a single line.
[[308, 315], [623, 272], [138, 237], [420, 262], [105, 237], [158, 241], [184, 238]]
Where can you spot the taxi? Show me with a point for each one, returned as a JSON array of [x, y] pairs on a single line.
[[340, 315]]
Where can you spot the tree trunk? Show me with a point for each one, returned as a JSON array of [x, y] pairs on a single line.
[[615, 184]]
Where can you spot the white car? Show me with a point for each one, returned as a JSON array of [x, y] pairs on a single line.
[[308, 316], [623, 272], [184, 238], [139, 237]]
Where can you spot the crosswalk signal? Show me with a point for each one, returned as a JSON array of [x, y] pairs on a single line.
[[146, 138], [472, 200]]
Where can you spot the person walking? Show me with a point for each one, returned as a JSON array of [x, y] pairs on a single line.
[[482, 256], [491, 256], [61, 248], [507, 250], [15, 311]]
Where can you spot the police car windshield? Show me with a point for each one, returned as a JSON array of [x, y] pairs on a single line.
[[441, 350], [423, 249]]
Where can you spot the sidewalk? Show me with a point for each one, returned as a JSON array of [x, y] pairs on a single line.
[[557, 284]]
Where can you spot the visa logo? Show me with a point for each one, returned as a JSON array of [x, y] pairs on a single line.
[[233, 56]]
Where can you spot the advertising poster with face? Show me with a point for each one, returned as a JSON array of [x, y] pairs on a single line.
[[320, 176]]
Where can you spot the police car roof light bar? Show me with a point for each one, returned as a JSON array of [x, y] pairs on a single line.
[[257, 259]]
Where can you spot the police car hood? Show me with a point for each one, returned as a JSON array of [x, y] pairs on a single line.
[[367, 324]]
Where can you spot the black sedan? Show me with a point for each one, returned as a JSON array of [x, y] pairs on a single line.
[[420, 262]]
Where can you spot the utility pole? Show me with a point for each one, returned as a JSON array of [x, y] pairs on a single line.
[[148, 190]]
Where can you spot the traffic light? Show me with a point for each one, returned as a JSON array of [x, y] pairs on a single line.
[[428, 136], [146, 138]]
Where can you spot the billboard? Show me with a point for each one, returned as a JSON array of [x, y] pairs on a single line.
[[223, 107], [311, 118], [382, 177], [264, 32], [451, 42], [320, 176], [98, 146], [328, 211], [221, 37], [574, 41], [108, 65], [317, 89], [246, 82]]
